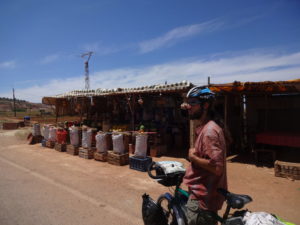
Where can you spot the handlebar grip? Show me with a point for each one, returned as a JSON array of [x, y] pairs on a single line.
[[150, 168]]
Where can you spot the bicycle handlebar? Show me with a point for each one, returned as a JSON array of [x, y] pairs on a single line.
[[152, 167]]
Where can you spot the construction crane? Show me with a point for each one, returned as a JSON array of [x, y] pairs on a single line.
[[86, 69]]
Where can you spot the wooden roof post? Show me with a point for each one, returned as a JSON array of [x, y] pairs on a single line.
[[81, 109], [226, 113], [266, 113], [132, 100], [245, 122], [192, 134], [193, 125], [56, 111]]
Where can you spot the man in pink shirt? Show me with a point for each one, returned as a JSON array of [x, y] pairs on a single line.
[[207, 170]]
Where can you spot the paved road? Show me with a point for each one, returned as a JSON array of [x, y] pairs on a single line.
[[42, 186]]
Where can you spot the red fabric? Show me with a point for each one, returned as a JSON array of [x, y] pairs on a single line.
[[278, 138], [69, 124], [210, 144], [61, 136]]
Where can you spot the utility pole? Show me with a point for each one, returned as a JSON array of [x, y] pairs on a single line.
[[86, 69], [14, 102]]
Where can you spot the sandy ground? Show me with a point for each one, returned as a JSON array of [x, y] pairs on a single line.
[[36, 181]]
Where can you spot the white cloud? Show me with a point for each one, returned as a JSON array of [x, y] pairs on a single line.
[[178, 34], [35, 93], [223, 68], [228, 68], [50, 58], [8, 64]]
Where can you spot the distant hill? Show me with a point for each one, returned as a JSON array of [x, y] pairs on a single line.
[[7, 105]]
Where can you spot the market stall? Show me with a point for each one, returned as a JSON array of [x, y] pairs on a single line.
[[153, 109]]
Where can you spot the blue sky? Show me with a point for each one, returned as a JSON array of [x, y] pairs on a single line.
[[144, 42]]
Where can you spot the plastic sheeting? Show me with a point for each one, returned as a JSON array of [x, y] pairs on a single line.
[[36, 129], [118, 143], [74, 136], [52, 133], [45, 132], [260, 218], [141, 145], [171, 166], [87, 138], [101, 144]]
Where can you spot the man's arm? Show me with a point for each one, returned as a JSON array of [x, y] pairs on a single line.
[[204, 163]]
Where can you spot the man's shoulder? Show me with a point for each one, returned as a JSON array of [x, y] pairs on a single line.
[[212, 130], [213, 126]]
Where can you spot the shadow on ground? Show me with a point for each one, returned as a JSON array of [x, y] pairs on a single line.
[[248, 158], [265, 159]]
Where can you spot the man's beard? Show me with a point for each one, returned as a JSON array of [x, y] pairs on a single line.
[[196, 115]]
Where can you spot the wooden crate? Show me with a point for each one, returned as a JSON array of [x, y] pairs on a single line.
[[50, 144], [31, 140], [60, 147], [10, 126], [73, 150], [116, 159], [100, 156], [38, 138], [86, 153], [287, 169]]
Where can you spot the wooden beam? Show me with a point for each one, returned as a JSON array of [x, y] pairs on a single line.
[[81, 110], [193, 125], [56, 111], [266, 113], [132, 112], [226, 112]]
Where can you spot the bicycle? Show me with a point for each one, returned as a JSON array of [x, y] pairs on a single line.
[[169, 209]]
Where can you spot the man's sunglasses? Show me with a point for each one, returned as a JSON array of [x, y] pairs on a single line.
[[194, 102], [189, 104]]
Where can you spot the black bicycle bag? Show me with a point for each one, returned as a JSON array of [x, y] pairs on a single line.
[[152, 213]]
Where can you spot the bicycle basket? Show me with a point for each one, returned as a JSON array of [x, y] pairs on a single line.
[[173, 171], [172, 179], [152, 213]]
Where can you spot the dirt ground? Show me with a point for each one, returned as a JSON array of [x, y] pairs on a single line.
[[279, 196]]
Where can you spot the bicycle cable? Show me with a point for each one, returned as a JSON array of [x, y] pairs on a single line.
[[171, 189]]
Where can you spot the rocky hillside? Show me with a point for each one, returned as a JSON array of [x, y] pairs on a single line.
[[7, 105]]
